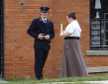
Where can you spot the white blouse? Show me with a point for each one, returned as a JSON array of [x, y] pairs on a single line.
[[73, 28]]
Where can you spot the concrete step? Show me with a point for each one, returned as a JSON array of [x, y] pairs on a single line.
[[97, 69], [2, 81]]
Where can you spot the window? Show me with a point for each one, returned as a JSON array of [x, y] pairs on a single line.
[[99, 24]]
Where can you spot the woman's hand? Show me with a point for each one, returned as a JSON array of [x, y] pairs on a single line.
[[63, 32]]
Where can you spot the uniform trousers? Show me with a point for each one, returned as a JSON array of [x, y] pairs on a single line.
[[40, 59]]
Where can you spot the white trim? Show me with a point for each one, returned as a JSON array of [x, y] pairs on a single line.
[[97, 52], [97, 69]]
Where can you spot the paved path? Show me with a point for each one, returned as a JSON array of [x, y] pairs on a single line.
[[97, 82], [3, 81], [83, 82]]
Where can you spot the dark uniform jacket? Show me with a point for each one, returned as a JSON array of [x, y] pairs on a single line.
[[37, 27]]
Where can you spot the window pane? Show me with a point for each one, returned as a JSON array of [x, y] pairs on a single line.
[[99, 26]]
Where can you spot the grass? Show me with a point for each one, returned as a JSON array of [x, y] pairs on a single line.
[[77, 80]]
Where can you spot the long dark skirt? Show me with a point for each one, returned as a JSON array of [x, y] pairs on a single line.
[[73, 62]]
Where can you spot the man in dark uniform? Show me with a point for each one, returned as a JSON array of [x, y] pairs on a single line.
[[42, 31]]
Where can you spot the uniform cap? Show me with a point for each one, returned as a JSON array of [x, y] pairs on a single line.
[[44, 9]]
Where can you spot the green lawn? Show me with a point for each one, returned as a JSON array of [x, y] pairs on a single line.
[[77, 80]]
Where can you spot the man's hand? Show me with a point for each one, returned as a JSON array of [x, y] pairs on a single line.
[[40, 36], [47, 37]]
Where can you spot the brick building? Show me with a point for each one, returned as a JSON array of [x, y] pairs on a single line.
[[16, 47]]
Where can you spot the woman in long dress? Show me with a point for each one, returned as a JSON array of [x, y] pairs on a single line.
[[73, 62]]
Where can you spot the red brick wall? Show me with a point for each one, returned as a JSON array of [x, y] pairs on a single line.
[[19, 54], [96, 61]]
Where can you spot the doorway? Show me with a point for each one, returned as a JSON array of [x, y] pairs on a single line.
[[1, 40]]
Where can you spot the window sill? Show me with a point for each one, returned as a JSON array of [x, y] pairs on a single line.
[[97, 52]]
